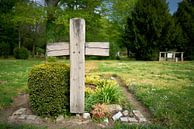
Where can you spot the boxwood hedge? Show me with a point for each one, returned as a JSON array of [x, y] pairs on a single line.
[[49, 89]]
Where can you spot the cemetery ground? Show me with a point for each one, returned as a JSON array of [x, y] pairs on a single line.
[[165, 88]]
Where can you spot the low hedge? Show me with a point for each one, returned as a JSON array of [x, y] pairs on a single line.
[[49, 89], [21, 53]]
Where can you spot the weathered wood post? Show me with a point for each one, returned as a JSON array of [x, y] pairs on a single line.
[[77, 68], [77, 49], [182, 59]]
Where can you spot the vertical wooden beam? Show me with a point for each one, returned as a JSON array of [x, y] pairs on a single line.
[[77, 68], [159, 56], [173, 56], [182, 59]]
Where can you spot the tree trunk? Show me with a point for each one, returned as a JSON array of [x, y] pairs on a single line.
[[19, 39], [52, 3], [127, 52], [33, 49], [50, 15]]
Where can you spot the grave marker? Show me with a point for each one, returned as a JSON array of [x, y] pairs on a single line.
[[77, 49]]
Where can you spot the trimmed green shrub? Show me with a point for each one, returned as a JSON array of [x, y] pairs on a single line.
[[21, 53], [49, 89]]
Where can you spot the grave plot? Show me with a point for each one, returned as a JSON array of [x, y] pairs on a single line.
[[77, 49], [101, 99]]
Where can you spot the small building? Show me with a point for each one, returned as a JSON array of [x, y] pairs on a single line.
[[171, 56]]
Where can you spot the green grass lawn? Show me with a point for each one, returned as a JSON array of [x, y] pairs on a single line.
[[166, 88], [13, 78]]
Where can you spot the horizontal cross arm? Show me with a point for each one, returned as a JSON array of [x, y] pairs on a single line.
[[57, 49], [97, 48], [91, 48]]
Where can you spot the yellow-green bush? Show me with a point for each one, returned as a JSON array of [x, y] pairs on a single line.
[[49, 89], [106, 91]]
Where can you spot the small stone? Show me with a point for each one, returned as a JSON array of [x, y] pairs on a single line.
[[137, 114], [142, 120], [124, 119], [78, 115], [31, 117], [125, 113], [132, 120], [60, 119], [81, 122], [22, 117], [117, 116], [112, 78], [102, 126], [86, 115], [20, 111], [114, 108]]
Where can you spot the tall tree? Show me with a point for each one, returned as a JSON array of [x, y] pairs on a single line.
[[185, 18], [147, 28], [8, 34], [117, 11], [28, 23]]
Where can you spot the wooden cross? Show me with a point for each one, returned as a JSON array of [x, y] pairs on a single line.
[[77, 49]]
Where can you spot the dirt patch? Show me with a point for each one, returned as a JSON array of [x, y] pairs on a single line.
[[18, 102], [22, 101], [2, 82], [134, 102]]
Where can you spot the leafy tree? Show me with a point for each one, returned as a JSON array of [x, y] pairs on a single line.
[[60, 13], [28, 24], [8, 34], [120, 10], [117, 12], [185, 18], [149, 29]]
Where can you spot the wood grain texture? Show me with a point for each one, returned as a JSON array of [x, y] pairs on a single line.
[[57, 49], [97, 48], [104, 45], [77, 69]]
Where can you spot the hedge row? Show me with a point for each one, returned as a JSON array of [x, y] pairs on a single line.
[[49, 89]]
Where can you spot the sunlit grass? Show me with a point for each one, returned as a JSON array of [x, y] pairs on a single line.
[[166, 88], [13, 78]]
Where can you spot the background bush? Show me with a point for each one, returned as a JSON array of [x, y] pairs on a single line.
[[21, 53], [49, 89], [4, 49]]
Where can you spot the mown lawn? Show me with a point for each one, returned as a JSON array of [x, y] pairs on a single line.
[[13, 78], [166, 88]]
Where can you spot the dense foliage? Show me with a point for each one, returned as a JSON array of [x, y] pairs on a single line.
[[36, 28], [49, 89], [185, 18], [149, 29], [143, 28], [21, 53], [4, 49]]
